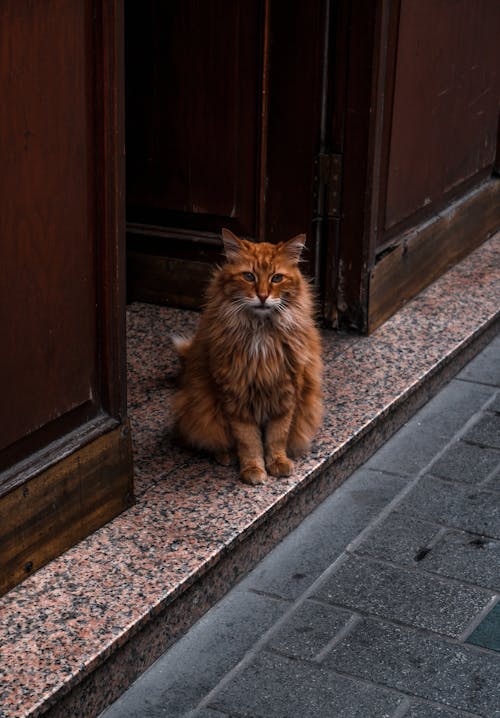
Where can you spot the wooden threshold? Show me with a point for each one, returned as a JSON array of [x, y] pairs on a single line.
[[166, 280], [426, 252], [169, 265], [45, 515]]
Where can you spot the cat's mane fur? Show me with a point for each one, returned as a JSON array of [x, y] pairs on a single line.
[[251, 375]]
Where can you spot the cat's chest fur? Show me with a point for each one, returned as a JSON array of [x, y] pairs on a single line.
[[255, 374], [262, 346]]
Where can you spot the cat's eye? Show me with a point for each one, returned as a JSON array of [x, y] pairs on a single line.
[[276, 278], [249, 276]]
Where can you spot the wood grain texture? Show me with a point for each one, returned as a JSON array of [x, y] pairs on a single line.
[[59, 507], [64, 469], [62, 294], [48, 253], [432, 248], [167, 280], [445, 102]]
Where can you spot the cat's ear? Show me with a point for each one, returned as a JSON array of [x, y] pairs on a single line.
[[232, 244], [293, 248]]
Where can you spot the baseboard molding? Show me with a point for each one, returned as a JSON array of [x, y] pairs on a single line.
[[48, 513], [422, 255]]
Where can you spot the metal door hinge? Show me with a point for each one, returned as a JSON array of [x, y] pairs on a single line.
[[328, 178]]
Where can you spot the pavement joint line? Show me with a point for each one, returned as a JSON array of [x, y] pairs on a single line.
[[479, 484], [476, 381], [494, 489], [389, 689], [455, 482], [215, 707], [338, 637], [389, 508], [311, 662], [490, 478], [402, 709], [450, 527], [445, 527], [434, 541], [409, 701], [264, 638], [474, 623], [384, 513], [269, 594], [413, 482], [330, 570], [460, 712], [479, 444], [421, 569], [440, 532], [386, 472], [433, 635], [438, 536]]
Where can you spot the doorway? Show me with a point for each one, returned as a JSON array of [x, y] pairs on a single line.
[[226, 116]]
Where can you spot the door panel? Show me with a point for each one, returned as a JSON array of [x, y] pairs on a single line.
[[48, 293], [356, 122], [223, 126], [445, 106], [297, 35], [192, 130], [65, 454], [420, 146], [435, 194]]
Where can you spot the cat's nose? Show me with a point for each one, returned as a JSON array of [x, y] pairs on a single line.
[[263, 298]]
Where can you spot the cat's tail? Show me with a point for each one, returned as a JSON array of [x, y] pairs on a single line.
[[181, 344]]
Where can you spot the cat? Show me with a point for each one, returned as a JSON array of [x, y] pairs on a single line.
[[251, 376]]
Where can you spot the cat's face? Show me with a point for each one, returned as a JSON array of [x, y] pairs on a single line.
[[261, 278]]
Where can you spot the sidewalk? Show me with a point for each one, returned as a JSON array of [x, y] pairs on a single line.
[[381, 604]]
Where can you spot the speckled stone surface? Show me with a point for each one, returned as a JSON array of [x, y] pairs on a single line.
[[77, 632]]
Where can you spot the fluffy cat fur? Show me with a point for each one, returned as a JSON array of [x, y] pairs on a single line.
[[251, 376]]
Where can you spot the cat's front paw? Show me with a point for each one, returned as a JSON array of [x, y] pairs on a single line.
[[224, 458], [279, 466], [253, 475]]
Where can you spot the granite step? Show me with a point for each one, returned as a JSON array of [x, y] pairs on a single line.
[[77, 633]]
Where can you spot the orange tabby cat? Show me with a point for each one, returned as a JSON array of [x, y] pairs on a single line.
[[251, 374]]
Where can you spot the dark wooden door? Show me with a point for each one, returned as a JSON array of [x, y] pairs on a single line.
[[420, 147], [371, 126], [65, 462], [223, 125]]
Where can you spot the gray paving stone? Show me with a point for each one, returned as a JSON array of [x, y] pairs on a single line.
[[475, 559], [273, 686], [455, 505], [408, 660], [178, 680], [303, 555], [405, 540], [414, 446], [485, 367], [309, 629], [495, 405], [494, 482], [415, 662], [424, 710], [408, 596], [399, 539], [486, 432], [466, 462]]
